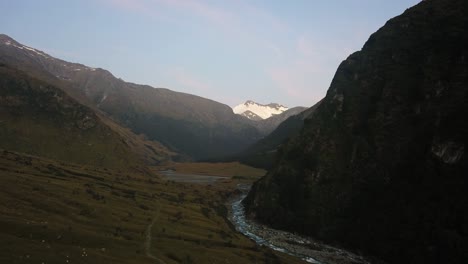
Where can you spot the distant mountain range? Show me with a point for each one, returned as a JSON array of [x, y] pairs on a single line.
[[263, 153], [188, 124], [266, 118], [256, 111]]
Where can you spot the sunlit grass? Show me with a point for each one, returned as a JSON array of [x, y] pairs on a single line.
[[52, 212]]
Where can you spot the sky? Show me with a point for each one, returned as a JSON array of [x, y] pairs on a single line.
[[230, 51]]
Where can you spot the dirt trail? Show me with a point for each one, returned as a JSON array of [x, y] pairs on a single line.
[[149, 237]]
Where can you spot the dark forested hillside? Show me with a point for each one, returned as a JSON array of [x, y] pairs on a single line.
[[381, 166]]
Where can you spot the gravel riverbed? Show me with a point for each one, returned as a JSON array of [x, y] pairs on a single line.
[[306, 248]]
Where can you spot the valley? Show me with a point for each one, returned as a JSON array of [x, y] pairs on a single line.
[[66, 213], [97, 169], [305, 248]]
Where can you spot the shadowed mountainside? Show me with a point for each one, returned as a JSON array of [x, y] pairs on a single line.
[[40, 119], [381, 166], [263, 153], [267, 126], [192, 125]]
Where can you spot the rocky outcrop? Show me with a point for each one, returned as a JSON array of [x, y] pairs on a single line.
[[381, 166]]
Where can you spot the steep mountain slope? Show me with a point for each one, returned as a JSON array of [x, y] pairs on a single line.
[[189, 124], [149, 151], [251, 115], [381, 166], [40, 119], [256, 111], [266, 126], [263, 153]]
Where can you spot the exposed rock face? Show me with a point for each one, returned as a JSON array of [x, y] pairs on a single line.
[[381, 166]]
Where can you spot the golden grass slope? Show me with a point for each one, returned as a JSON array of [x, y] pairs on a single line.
[[52, 212]]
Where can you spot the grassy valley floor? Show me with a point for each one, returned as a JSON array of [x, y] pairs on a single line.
[[52, 212]]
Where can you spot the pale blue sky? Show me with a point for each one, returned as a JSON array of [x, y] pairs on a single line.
[[283, 51]]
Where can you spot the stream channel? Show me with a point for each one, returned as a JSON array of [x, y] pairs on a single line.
[[305, 248]]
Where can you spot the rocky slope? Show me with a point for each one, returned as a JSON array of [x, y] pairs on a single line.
[[381, 165], [189, 124]]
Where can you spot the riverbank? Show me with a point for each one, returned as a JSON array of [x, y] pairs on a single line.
[[302, 247]]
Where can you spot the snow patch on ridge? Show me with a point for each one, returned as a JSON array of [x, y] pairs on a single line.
[[103, 98], [23, 47], [33, 52], [260, 110]]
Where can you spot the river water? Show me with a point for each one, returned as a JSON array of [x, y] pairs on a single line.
[[305, 248]]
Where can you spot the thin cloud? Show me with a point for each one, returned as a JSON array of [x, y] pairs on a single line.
[[294, 82], [304, 46], [293, 65], [185, 81], [296, 74], [241, 25], [129, 5], [200, 8], [275, 49], [284, 80], [266, 17], [141, 7], [189, 81]]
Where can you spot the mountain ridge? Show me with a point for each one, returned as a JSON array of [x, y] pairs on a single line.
[[263, 153], [41, 119], [260, 111], [189, 124]]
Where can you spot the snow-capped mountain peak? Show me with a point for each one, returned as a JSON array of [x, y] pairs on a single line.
[[256, 111]]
